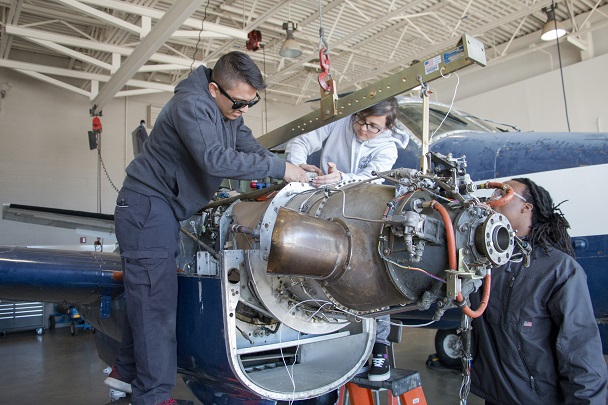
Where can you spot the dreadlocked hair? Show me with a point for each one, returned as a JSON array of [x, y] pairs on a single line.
[[549, 225]]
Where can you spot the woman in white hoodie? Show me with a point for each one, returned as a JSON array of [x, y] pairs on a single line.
[[353, 147]]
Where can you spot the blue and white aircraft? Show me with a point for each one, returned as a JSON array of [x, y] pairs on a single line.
[[277, 296]]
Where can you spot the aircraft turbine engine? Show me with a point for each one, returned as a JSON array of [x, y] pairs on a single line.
[[307, 271]]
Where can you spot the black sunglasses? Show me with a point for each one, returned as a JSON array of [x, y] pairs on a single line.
[[237, 105]]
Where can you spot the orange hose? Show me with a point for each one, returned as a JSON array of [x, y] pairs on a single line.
[[451, 242], [449, 233], [487, 281], [502, 200]]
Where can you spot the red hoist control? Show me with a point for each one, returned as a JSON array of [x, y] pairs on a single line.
[[97, 125]]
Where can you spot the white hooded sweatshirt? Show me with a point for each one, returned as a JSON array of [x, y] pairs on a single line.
[[354, 158]]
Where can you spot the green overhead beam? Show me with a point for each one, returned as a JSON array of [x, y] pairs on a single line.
[[467, 52]]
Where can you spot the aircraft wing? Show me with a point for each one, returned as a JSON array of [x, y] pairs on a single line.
[[102, 224], [52, 275]]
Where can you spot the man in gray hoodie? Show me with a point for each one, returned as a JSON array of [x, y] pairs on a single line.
[[199, 139]]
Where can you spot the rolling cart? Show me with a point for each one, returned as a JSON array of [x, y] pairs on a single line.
[[19, 316]]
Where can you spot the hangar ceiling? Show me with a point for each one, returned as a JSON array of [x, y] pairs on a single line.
[[109, 48]]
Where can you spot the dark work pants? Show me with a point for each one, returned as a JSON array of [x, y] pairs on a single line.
[[147, 234]]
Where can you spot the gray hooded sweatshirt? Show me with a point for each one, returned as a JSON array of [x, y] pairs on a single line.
[[192, 148]]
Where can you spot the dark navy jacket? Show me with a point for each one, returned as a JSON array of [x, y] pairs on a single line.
[[537, 341], [192, 148]]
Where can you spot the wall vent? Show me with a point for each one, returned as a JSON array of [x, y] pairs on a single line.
[[153, 111]]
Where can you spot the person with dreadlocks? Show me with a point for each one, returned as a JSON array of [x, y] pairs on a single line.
[[537, 341]]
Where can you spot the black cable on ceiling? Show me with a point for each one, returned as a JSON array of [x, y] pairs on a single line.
[[561, 70], [199, 37]]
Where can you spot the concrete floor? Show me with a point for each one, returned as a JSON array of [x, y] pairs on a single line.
[[58, 368]]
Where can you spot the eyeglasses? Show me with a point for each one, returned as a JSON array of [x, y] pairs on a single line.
[[360, 120], [498, 193], [237, 105]]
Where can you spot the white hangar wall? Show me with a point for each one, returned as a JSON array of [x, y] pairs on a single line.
[[45, 158], [527, 91], [537, 103]]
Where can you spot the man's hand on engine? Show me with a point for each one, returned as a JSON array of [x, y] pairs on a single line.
[[294, 173], [312, 169]]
